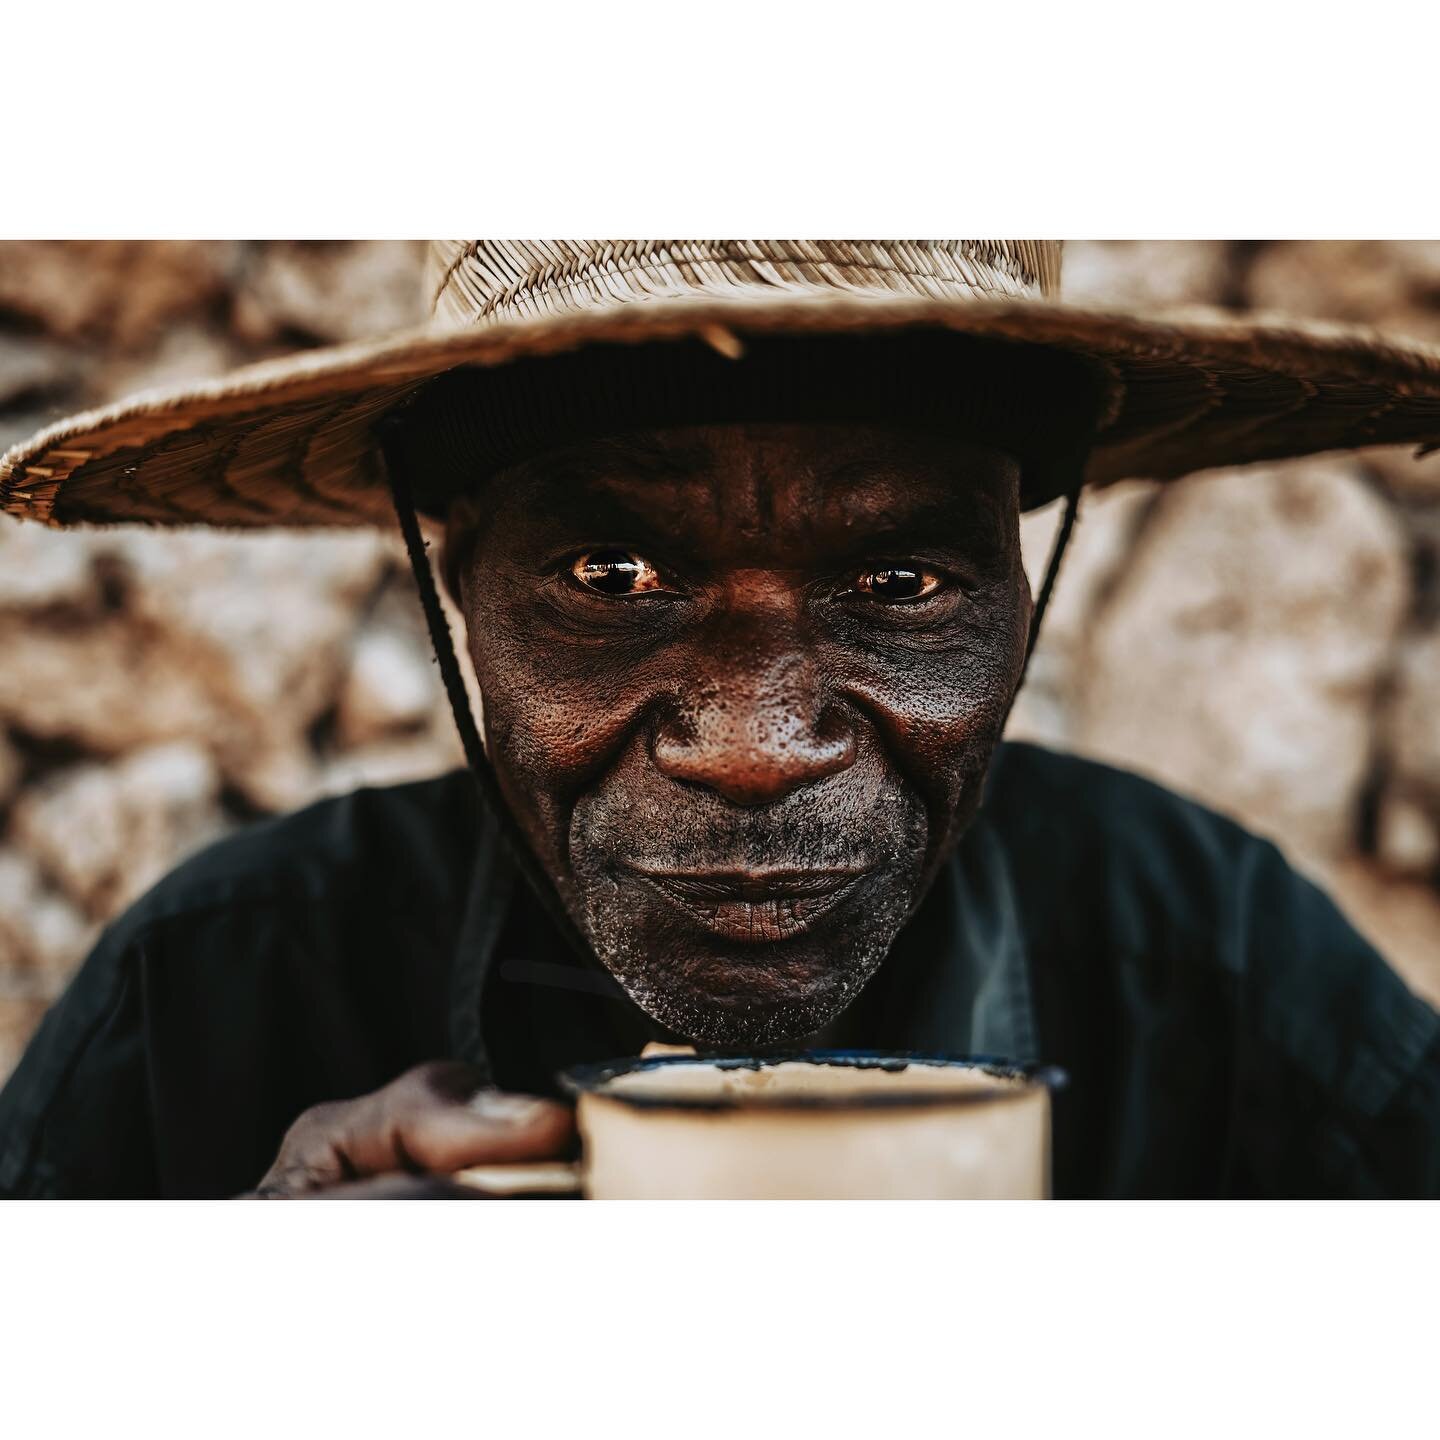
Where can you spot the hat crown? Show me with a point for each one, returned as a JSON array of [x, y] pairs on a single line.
[[471, 282]]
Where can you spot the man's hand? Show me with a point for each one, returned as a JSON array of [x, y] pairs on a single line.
[[432, 1121]]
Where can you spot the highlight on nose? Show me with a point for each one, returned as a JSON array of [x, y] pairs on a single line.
[[753, 754]]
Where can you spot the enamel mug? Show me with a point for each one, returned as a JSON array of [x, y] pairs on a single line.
[[814, 1125]]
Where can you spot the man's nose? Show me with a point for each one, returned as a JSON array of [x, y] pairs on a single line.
[[756, 735]]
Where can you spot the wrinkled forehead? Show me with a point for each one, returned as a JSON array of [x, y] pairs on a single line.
[[822, 487]]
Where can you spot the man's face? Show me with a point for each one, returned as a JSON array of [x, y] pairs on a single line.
[[742, 684]]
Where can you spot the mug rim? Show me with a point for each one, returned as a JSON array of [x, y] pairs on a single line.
[[591, 1079]]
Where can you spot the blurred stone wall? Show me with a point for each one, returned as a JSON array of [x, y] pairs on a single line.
[[1269, 642], [158, 688]]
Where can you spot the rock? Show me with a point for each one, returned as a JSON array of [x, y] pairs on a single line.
[[185, 353], [41, 568], [391, 687], [1382, 283], [329, 292], [10, 770], [240, 643], [392, 762], [1105, 531], [1413, 481], [106, 833], [1157, 273], [32, 367], [1240, 655], [1406, 838], [105, 687], [42, 935], [1401, 919], [120, 292], [1408, 818], [1411, 730], [263, 623], [118, 644], [19, 1016]]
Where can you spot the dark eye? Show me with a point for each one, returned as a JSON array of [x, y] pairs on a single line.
[[898, 582], [616, 572]]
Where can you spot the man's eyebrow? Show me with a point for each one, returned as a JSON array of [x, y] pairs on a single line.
[[943, 523], [950, 509], [624, 456], [973, 480], [600, 512]]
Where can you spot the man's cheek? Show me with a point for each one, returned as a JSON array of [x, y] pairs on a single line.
[[550, 744], [935, 724]]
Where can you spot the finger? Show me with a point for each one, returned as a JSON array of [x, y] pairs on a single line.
[[308, 1158], [439, 1134], [433, 1118], [320, 1149]]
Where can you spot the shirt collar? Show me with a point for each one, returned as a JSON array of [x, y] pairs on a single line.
[[957, 980]]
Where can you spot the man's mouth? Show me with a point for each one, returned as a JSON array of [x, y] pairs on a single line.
[[753, 906]]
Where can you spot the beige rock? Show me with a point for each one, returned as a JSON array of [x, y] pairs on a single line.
[[1400, 918], [19, 1015], [1388, 284], [184, 353], [1145, 272], [1406, 837], [1239, 657], [392, 686], [331, 291], [105, 687], [392, 761], [31, 366], [1106, 529], [10, 770], [1104, 535], [263, 623], [240, 642], [40, 567], [43, 936], [1413, 480], [107, 832], [119, 291], [1412, 723]]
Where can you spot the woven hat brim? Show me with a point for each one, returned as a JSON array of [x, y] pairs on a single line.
[[292, 441]]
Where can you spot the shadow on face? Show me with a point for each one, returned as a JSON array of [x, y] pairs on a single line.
[[742, 684]]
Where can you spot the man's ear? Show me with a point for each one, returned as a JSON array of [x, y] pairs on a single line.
[[462, 527]]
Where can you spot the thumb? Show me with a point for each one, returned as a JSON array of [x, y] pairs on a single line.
[[489, 1127], [438, 1118]]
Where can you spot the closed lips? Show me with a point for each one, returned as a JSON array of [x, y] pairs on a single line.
[[753, 906], [755, 885]]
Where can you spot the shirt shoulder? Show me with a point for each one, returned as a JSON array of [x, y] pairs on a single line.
[[300, 958], [1110, 840], [408, 845], [1186, 937]]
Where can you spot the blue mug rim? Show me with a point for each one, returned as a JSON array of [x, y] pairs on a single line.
[[581, 1080]]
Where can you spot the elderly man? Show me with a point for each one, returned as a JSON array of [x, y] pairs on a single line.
[[734, 530]]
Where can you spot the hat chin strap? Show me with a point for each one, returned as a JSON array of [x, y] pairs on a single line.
[[478, 761], [1052, 570], [1047, 585]]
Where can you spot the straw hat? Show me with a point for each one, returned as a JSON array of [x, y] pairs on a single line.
[[294, 441]]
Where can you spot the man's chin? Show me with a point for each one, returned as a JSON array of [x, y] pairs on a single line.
[[749, 1003], [755, 987], [740, 1025]]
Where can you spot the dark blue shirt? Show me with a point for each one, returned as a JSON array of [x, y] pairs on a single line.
[[1226, 1031]]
